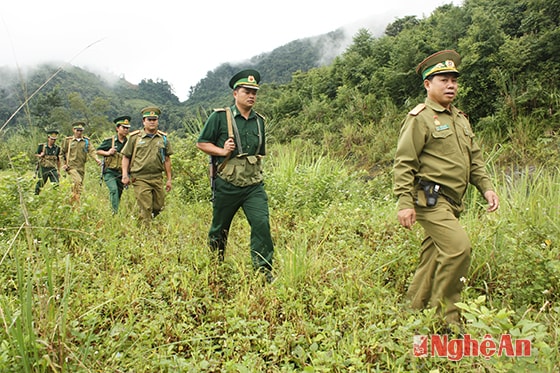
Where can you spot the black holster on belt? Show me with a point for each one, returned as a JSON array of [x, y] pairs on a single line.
[[431, 190]]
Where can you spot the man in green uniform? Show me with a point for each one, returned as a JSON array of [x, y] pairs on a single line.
[[75, 151], [436, 158], [146, 155], [48, 166], [112, 164], [237, 148]]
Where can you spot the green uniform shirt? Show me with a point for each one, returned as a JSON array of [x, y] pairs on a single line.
[[215, 131], [114, 161], [50, 158], [147, 153], [438, 145], [75, 153]]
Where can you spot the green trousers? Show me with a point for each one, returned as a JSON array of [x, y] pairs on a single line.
[[150, 197], [113, 180], [444, 260], [46, 173], [228, 199]]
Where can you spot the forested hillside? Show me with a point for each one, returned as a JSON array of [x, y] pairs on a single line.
[[510, 70], [72, 93], [86, 290]]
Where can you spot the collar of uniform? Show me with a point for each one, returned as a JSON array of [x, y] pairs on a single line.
[[235, 112], [437, 107], [145, 134]]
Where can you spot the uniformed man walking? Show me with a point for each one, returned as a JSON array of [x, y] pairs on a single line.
[[235, 138], [146, 155], [112, 163], [436, 158], [75, 151], [48, 166]]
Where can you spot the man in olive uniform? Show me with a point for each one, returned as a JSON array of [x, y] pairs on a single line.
[[48, 166], [238, 148], [436, 158], [112, 163], [75, 151], [146, 155]]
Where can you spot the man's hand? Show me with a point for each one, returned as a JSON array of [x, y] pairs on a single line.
[[407, 217], [493, 200], [229, 146]]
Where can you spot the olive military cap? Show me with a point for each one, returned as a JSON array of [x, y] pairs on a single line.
[[150, 112], [247, 78], [442, 62], [52, 134], [79, 125], [122, 121]]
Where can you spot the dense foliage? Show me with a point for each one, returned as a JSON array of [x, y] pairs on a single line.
[[81, 290], [510, 69]]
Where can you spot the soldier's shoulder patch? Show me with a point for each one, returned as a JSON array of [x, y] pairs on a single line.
[[220, 109], [136, 132], [260, 115], [162, 133], [417, 109], [69, 137], [463, 114], [85, 137]]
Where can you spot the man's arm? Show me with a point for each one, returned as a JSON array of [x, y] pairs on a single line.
[[125, 170], [167, 166], [213, 150]]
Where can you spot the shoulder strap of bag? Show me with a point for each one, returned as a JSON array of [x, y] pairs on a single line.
[[229, 118], [68, 142]]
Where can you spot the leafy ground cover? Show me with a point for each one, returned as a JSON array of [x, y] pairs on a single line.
[[82, 290]]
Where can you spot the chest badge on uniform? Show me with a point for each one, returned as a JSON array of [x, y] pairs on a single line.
[[439, 126]]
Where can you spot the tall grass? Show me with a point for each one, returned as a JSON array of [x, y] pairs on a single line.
[[96, 292]]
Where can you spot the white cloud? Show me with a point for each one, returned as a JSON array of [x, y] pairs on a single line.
[[173, 40]]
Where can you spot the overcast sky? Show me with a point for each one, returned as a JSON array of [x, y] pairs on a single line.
[[176, 40]]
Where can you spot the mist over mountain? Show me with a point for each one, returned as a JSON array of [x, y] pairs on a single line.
[[63, 79]]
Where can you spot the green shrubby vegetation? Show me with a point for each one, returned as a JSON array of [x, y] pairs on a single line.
[[82, 290], [86, 291]]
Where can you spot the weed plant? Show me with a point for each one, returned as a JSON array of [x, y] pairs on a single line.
[[83, 290]]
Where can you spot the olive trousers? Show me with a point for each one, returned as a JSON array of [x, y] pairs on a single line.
[[253, 199], [77, 177], [113, 180], [444, 260], [150, 197]]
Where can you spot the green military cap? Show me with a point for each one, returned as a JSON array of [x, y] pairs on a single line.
[[122, 121], [52, 134], [79, 125], [445, 61], [150, 112], [247, 78]]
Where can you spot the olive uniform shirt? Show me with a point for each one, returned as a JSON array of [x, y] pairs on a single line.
[[147, 154], [437, 145], [75, 153], [113, 162]]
